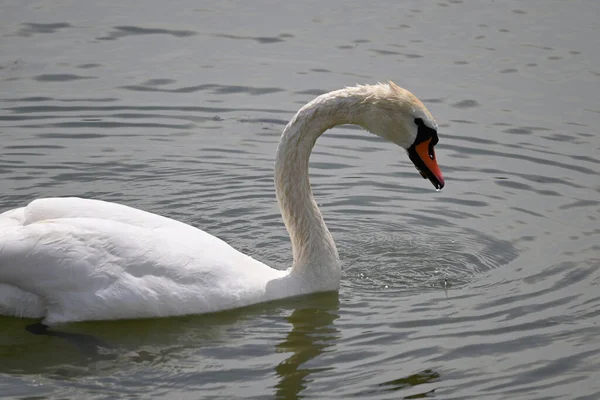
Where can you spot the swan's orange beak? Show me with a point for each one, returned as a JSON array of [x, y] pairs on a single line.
[[423, 156]]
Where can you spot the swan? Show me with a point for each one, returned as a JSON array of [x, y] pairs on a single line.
[[74, 259]]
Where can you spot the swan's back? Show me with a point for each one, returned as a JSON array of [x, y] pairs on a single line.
[[74, 207]]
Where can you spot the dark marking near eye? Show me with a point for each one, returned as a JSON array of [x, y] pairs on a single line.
[[423, 133]]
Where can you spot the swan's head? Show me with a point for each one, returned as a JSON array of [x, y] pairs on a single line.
[[397, 115]]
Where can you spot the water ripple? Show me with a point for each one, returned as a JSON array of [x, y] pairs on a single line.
[[488, 289], [125, 31]]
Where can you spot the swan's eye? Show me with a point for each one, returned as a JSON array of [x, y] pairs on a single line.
[[432, 143], [419, 122]]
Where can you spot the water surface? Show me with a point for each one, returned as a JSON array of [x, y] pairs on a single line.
[[487, 289]]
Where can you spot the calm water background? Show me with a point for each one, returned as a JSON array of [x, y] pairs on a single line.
[[176, 108]]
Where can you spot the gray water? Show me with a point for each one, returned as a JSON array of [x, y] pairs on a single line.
[[487, 289]]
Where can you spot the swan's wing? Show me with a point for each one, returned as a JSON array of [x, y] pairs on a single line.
[[74, 207], [88, 268]]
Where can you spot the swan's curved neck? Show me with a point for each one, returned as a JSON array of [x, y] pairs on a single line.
[[312, 244]]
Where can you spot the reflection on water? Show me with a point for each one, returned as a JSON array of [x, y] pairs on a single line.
[[179, 113], [312, 333], [420, 378]]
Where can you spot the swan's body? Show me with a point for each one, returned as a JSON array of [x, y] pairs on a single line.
[[72, 259]]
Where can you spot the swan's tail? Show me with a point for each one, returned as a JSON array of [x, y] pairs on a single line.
[[26, 279], [15, 302], [12, 218]]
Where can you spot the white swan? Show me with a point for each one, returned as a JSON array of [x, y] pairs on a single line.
[[72, 259]]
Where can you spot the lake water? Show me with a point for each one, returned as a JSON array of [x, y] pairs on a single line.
[[488, 289]]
